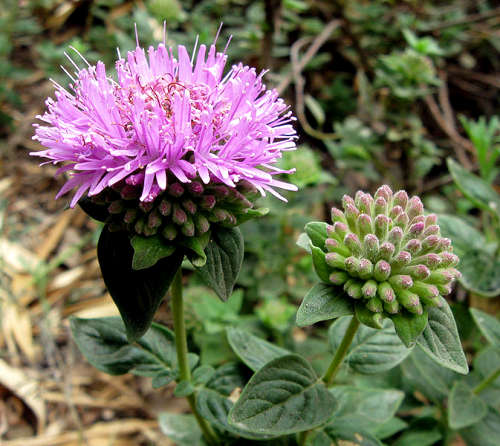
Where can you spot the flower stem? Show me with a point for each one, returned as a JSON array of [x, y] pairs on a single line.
[[341, 352], [486, 381], [182, 355]]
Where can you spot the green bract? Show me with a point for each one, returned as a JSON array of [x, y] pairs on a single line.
[[388, 257]]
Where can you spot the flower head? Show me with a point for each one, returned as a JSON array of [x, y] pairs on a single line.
[[166, 124], [387, 254]]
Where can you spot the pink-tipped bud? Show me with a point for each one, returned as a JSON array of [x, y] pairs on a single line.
[[382, 223], [418, 219], [442, 276], [165, 208], [369, 289], [366, 204], [365, 269], [347, 201], [431, 230], [430, 243], [195, 188], [449, 259], [375, 305], [414, 207], [432, 260], [395, 236], [402, 220], [169, 232], [380, 206], [386, 251], [371, 246], [352, 242], [207, 202], [430, 220], [401, 281], [386, 292], [425, 290], [176, 190], [413, 246], [402, 259], [130, 215], [201, 223], [444, 289], [145, 206], [357, 198], [401, 199], [188, 228], [339, 277], [417, 272], [392, 307], [129, 192], [351, 265], [116, 207], [444, 245], [335, 260], [416, 230], [338, 215], [351, 215], [384, 192], [220, 191], [340, 230], [410, 301], [395, 211], [154, 220], [179, 217], [364, 225], [382, 270], [353, 289], [189, 206]]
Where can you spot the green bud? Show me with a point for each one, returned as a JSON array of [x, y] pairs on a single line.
[[145, 206], [339, 277], [424, 290], [179, 217], [130, 215], [381, 271], [365, 204], [401, 198], [395, 236], [386, 251], [351, 241], [149, 231], [338, 215], [415, 207], [402, 220], [449, 259], [369, 289], [370, 246], [353, 289], [413, 246], [189, 206], [384, 192], [401, 281], [381, 226], [365, 269], [351, 264], [340, 230], [392, 307], [402, 259], [395, 211], [201, 223], [188, 228], [375, 305], [364, 223], [380, 206], [165, 208], [335, 260], [440, 277], [333, 245], [418, 272], [207, 202], [154, 220], [351, 214], [410, 301], [139, 225], [169, 232], [386, 292]]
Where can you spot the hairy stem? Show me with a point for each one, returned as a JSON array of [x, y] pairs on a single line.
[[182, 354], [341, 352], [486, 381]]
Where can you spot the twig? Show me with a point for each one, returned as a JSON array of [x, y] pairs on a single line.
[[317, 43], [473, 18]]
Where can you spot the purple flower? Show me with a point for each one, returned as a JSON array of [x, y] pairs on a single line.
[[165, 119]]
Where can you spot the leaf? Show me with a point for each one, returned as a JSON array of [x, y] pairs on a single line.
[[137, 294], [350, 436], [195, 248], [320, 266], [367, 317], [409, 326], [316, 230], [323, 302], [484, 433], [103, 342], [283, 397], [148, 250], [488, 325], [474, 188], [440, 339], [253, 351], [390, 428], [224, 258], [464, 236], [182, 429], [364, 408], [479, 268], [304, 242], [371, 351], [96, 211], [487, 362], [464, 407], [418, 438]]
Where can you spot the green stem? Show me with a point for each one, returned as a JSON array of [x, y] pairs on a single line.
[[341, 352], [486, 381], [302, 438], [182, 354]]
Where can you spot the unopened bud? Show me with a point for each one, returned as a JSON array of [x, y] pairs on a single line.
[[333, 245], [395, 236], [129, 192], [386, 251], [351, 215], [392, 307], [402, 220], [207, 202], [339, 277], [401, 199], [375, 305], [145, 206], [335, 260], [430, 260], [444, 244], [364, 225], [179, 217], [395, 211], [370, 246], [189, 206], [365, 269], [431, 230], [418, 272], [351, 241], [381, 226], [188, 228], [139, 226], [441, 276], [402, 259], [116, 207], [416, 229], [201, 223], [169, 232], [384, 192], [425, 290], [413, 246], [340, 229], [353, 289], [165, 208], [401, 281], [431, 220], [445, 289], [386, 292], [366, 203], [381, 271], [338, 215], [154, 220], [415, 207], [130, 215], [352, 265], [176, 190], [369, 289], [430, 243], [410, 301], [195, 188], [380, 206], [449, 259]]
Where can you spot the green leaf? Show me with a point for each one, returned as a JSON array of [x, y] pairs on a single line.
[[464, 236], [350, 436], [304, 242], [253, 351], [316, 230], [195, 248], [474, 188], [364, 408], [489, 325], [484, 433], [203, 374], [367, 317], [182, 429], [283, 397], [136, 293], [320, 266], [464, 407], [389, 428], [96, 211], [418, 438], [487, 362], [224, 258], [183, 389], [479, 268], [371, 351], [323, 302], [409, 326], [103, 342], [440, 339], [148, 250]]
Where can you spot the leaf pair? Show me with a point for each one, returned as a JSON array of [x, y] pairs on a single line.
[[138, 272]]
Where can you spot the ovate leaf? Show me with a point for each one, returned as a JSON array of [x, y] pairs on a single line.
[[182, 429], [283, 397], [371, 351], [464, 407], [323, 302], [136, 293], [484, 433], [488, 325], [409, 326], [253, 351], [480, 271], [440, 339], [316, 230], [148, 250], [224, 258]]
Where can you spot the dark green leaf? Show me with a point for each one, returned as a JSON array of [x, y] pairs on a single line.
[[96, 211], [474, 188], [350, 436], [137, 294], [409, 326], [371, 351], [323, 302], [316, 230], [479, 268], [224, 258], [104, 343], [182, 429], [283, 397], [367, 317], [484, 433], [320, 266], [489, 325], [440, 339], [195, 248], [253, 351], [389, 428], [203, 374], [148, 250], [464, 407], [418, 438], [183, 389], [463, 235]]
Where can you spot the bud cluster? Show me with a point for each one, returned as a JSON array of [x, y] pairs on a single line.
[[182, 210], [386, 253]]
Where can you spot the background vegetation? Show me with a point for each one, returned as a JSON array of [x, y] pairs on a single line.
[[384, 92]]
